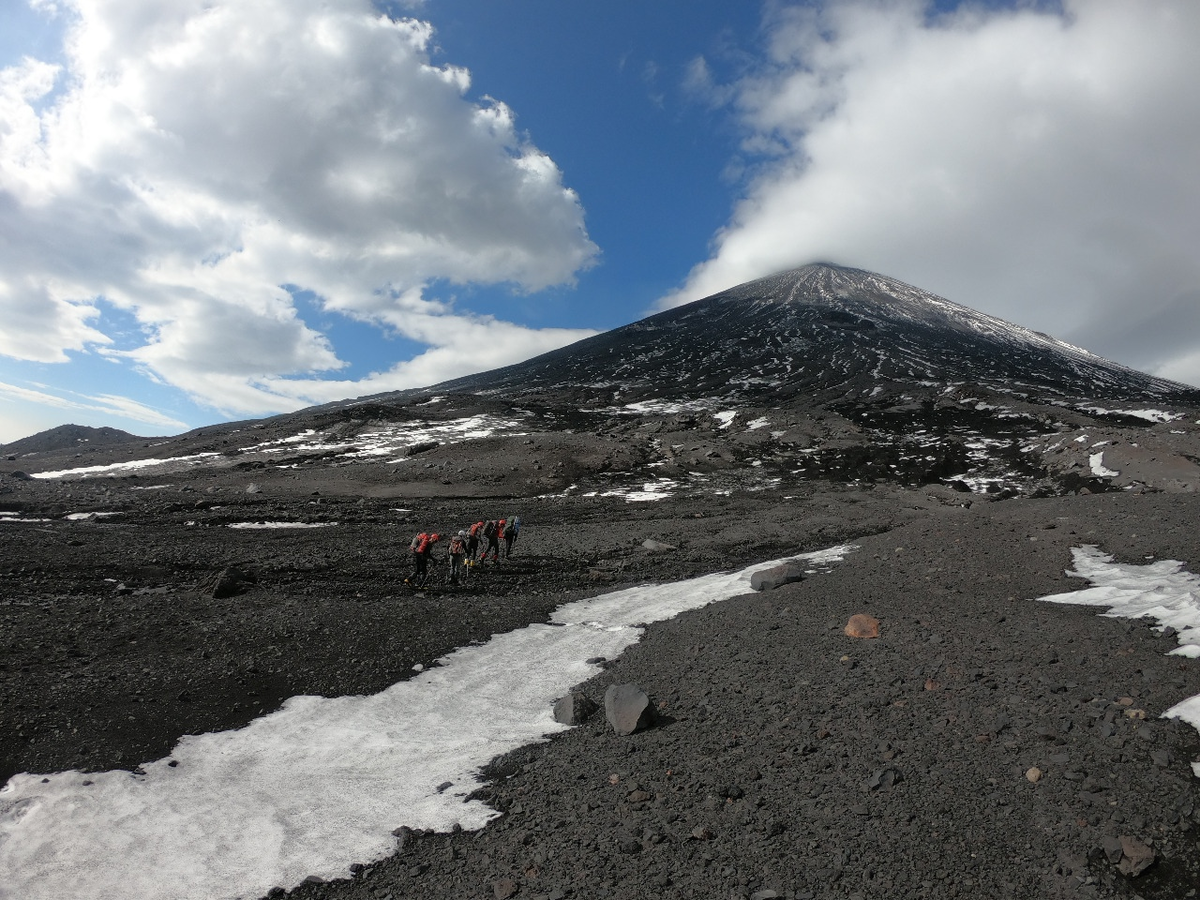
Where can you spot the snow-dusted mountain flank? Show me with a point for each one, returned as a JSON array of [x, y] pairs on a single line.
[[822, 333], [822, 372]]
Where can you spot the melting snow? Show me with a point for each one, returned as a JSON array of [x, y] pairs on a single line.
[[282, 524], [1096, 461], [321, 783], [1150, 415], [1162, 590], [725, 418], [131, 466]]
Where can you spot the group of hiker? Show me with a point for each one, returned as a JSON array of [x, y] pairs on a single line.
[[463, 548]]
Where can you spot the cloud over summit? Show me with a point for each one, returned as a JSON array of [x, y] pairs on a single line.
[[1036, 165]]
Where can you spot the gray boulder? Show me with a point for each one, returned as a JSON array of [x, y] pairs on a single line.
[[230, 582], [776, 576], [628, 709], [573, 709]]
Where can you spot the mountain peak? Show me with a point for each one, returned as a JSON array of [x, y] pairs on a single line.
[[821, 330]]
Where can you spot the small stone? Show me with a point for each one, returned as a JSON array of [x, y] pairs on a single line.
[[1112, 849], [701, 833], [862, 626], [884, 778], [1033, 774], [503, 888], [931, 684], [657, 546]]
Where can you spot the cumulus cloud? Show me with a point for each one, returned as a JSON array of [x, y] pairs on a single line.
[[1034, 164], [194, 162]]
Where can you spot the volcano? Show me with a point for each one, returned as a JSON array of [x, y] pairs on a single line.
[[820, 332]]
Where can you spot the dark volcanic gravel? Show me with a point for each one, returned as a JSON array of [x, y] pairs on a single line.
[[788, 758]]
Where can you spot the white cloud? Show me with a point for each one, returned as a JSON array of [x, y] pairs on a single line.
[[194, 156], [105, 404], [1037, 166]]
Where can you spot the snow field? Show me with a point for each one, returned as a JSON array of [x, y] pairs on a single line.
[[321, 783]]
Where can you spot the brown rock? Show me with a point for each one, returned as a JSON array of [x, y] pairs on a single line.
[[862, 626], [1136, 857]]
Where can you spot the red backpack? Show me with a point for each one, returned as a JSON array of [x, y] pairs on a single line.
[[420, 543], [476, 528]]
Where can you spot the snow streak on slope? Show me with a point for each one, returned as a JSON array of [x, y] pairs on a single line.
[[321, 783]]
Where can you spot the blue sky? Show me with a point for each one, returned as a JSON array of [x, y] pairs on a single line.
[[215, 210]]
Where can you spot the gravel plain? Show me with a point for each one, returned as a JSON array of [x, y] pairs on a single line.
[[789, 760]]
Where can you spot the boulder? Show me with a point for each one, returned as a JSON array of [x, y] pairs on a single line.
[[862, 626], [573, 709], [230, 582], [776, 576], [627, 708]]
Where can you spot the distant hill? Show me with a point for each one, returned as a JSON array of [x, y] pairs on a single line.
[[66, 437]]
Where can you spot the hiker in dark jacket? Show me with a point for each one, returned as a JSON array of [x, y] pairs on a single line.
[[511, 530], [491, 534]]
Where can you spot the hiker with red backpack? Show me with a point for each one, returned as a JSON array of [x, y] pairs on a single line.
[[422, 549], [473, 542]]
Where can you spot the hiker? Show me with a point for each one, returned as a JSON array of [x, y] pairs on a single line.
[[458, 553], [491, 534], [473, 542], [422, 550], [511, 530]]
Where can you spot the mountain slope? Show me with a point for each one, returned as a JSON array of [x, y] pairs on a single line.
[[816, 331]]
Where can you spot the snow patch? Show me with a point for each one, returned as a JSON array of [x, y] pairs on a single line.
[[321, 783], [1150, 415], [1096, 461], [281, 524], [1162, 590]]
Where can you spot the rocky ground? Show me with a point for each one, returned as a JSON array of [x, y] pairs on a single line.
[[788, 759]]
